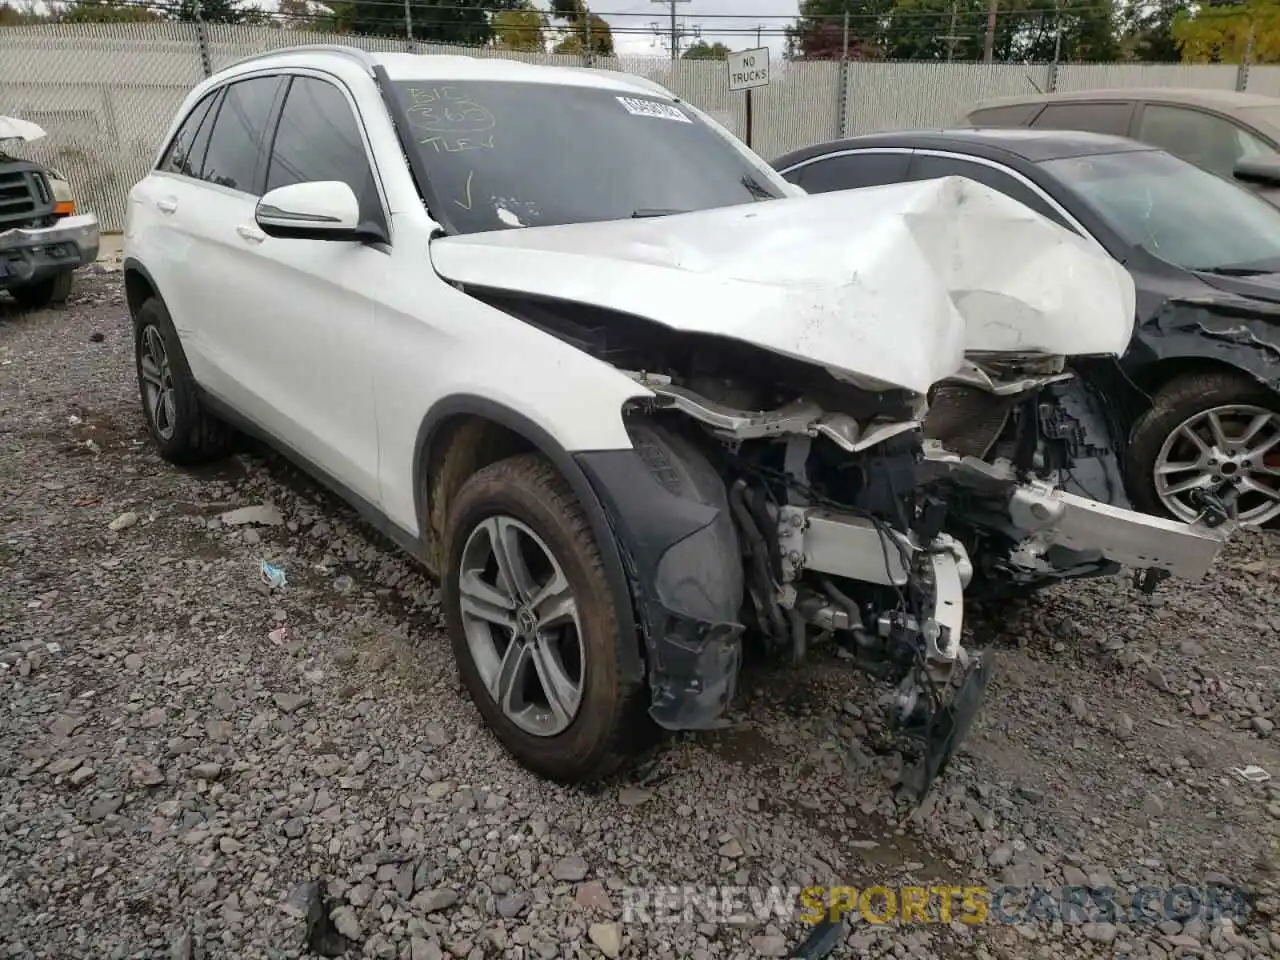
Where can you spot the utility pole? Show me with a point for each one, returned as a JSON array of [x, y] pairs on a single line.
[[989, 44], [676, 33], [951, 36], [408, 26]]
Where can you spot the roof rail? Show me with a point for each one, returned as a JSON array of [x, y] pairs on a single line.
[[364, 57]]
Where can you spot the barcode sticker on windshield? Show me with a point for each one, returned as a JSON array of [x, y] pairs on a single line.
[[652, 108]]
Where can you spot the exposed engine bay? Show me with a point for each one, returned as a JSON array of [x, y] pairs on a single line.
[[867, 528]]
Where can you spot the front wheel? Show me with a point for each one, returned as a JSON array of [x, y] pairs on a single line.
[[533, 625], [1216, 432]]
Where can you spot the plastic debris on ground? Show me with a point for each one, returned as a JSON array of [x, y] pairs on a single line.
[[273, 577]]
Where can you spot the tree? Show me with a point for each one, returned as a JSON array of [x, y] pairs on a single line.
[[1220, 34], [1147, 31], [706, 51], [441, 21], [212, 11], [586, 29], [105, 11], [819, 34], [523, 28]]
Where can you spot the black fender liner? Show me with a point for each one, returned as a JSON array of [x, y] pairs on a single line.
[[1235, 331], [132, 265], [669, 510], [471, 405]]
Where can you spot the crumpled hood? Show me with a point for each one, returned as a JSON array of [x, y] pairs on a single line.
[[885, 285], [11, 128]]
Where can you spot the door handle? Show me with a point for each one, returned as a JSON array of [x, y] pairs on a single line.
[[166, 205], [251, 234]]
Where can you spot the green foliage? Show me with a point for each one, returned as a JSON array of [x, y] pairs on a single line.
[[524, 28], [104, 11], [587, 30], [441, 21], [706, 51], [1221, 34]]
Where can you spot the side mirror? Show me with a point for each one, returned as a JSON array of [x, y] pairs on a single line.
[[1263, 171], [322, 210]]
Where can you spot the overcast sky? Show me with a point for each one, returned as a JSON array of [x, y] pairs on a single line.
[[731, 22]]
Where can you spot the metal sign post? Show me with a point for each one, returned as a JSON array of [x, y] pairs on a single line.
[[748, 69]]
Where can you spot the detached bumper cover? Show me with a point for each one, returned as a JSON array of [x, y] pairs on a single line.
[[32, 255]]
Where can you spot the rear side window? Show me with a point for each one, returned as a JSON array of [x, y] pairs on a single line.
[[318, 138], [1013, 115], [178, 158], [851, 170], [1112, 118], [238, 144]]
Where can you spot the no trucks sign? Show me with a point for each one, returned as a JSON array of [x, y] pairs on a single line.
[[748, 68]]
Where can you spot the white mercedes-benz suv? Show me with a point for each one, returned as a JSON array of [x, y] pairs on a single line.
[[632, 397]]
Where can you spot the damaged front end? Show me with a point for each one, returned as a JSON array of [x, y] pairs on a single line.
[[1030, 455], [850, 528], [837, 538]]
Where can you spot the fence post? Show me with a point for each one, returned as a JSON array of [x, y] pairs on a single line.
[[1242, 71], [202, 38], [1052, 82], [842, 77]]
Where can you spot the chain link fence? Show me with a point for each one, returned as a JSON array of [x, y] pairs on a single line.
[[106, 93]]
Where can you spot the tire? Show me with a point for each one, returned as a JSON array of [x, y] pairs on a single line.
[[182, 430], [1176, 402], [524, 494], [37, 296]]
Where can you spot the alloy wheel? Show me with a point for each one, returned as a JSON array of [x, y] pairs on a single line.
[[157, 382], [1232, 451], [522, 628]]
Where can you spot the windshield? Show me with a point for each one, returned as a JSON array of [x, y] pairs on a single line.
[[1176, 211], [501, 154]]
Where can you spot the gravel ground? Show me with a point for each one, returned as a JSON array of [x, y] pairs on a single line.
[[195, 765]]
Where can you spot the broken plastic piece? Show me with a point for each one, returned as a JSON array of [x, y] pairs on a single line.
[[273, 577], [279, 635], [1251, 774]]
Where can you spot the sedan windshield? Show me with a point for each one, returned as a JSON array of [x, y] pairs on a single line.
[[1176, 211], [501, 154]]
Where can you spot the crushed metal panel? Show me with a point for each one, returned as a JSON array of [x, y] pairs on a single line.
[[934, 269]]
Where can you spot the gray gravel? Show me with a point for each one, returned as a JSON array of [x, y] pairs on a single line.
[[198, 766]]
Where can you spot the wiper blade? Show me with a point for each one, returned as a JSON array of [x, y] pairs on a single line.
[[656, 212], [1236, 271]]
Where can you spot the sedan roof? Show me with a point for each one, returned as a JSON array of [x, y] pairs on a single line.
[[995, 143]]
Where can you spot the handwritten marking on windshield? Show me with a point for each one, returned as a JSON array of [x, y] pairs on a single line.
[[452, 120], [467, 205]]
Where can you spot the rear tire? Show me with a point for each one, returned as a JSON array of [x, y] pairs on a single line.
[[526, 507], [45, 293], [183, 431]]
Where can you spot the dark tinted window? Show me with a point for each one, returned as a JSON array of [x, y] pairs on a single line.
[[178, 158], [200, 145], [499, 154], [318, 139], [1210, 142], [851, 170], [929, 168], [1014, 115], [238, 143], [1112, 118]]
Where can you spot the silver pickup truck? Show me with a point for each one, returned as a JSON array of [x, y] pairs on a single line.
[[43, 237]]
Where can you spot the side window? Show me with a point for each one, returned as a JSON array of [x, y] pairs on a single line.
[[1111, 117], [238, 143], [1013, 115], [925, 167], [200, 145], [177, 159], [852, 170], [318, 138], [1210, 142]]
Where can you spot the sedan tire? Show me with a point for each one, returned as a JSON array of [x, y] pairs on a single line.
[[1218, 431]]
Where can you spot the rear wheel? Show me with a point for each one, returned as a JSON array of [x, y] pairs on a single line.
[[1217, 432], [37, 296], [183, 431], [533, 625]]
